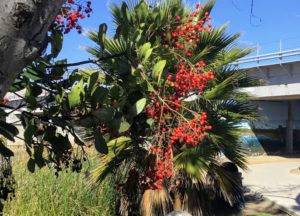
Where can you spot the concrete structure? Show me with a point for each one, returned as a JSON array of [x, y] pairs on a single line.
[[278, 99]]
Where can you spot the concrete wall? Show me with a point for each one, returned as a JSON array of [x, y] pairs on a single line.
[[267, 135], [288, 73]]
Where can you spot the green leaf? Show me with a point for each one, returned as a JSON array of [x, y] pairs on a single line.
[[100, 144], [56, 43], [104, 114], [120, 140], [138, 107], [99, 95], [150, 121], [29, 132], [6, 134], [38, 156], [158, 69], [125, 12], [92, 81], [114, 92], [77, 94], [31, 74], [85, 122], [35, 90], [17, 86], [9, 127], [145, 52], [54, 110], [102, 34], [58, 72], [142, 11], [4, 151], [31, 165], [120, 125]]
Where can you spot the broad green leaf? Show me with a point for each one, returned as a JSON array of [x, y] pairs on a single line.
[[115, 92], [158, 69], [142, 11], [150, 121], [9, 127], [147, 55], [54, 110], [4, 151], [99, 95], [85, 122], [102, 34], [138, 107], [125, 12], [38, 156], [6, 134], [31, 74], [56, 43], [58, 72], [17, 86], [104, 114], [124, 126], [92, 81], [29, 131], [77, 94], [120, 140], [120, 125], [33, 90], [100, 144], [31, 165], [145, 52]]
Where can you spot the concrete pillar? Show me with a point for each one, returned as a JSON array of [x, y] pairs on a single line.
[[290, 127]]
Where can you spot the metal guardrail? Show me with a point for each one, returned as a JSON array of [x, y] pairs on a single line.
[[259, 58]]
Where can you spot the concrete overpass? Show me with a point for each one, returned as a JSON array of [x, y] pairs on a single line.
[[278, 99]]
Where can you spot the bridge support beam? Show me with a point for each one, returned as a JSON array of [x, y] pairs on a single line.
[[290, 127]]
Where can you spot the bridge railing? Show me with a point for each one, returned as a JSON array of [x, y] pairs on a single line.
[[271, 58]]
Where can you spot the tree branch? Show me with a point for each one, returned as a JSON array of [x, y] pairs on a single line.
[[93, 61]]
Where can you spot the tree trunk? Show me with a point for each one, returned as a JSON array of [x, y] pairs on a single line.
[[23, 29]]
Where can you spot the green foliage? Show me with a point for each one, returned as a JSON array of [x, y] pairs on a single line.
[[158, 69], [77, 94], [100, 143], [111, 99], [42, 193], [56, 43], [8, 131]]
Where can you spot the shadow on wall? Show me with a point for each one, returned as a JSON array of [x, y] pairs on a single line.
[[267, 141]]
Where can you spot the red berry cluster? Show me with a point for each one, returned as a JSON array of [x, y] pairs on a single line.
[[186, 33], [189, 79], [156, 109], [71, 13], [159, 169], [184, 78], [191, 133]]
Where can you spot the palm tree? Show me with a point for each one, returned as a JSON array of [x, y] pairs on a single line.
[[199, 176]]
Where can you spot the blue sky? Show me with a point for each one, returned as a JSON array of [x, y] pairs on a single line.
[[275, 20]]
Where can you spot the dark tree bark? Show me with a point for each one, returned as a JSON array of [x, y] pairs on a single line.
[[23, 29]]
